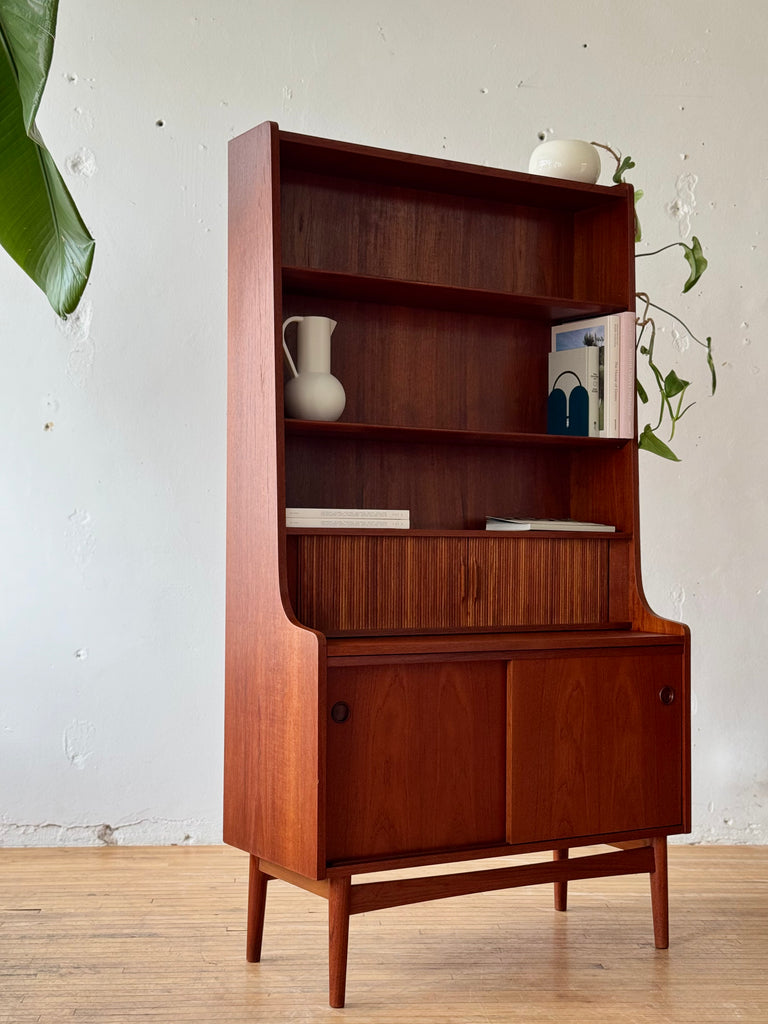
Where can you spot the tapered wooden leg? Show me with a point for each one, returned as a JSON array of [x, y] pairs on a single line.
[[561, 888], [659, 893], [257, 898], [338, 938]]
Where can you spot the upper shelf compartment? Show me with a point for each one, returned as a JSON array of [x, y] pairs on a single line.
[[328, 157], [413, 229]]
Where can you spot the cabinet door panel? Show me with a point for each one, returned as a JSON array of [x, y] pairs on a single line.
[[593, 749], [419, 764]]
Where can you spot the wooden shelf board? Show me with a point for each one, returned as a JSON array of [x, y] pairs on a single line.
[[399, 292], [433, 435], [341, 650], [486, 534]]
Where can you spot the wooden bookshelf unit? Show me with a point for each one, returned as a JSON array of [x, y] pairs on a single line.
[[444, 693]]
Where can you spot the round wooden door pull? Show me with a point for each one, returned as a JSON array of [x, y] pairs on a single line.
[[340, 711], [666, 695]]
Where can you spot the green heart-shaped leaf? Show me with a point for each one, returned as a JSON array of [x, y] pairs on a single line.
[[696, 261], [626, 165], [673, 385], [650, 443]]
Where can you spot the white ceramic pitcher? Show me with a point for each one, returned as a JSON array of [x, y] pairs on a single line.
[[313, 393]]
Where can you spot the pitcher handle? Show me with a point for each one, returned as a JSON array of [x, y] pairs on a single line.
[[290, 320]]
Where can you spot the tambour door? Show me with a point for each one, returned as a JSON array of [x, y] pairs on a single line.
[[377, 583]]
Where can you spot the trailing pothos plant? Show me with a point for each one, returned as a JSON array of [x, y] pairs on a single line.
[[40, 226], [673, 404]]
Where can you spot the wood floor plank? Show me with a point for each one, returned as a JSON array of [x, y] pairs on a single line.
[[95, 936]]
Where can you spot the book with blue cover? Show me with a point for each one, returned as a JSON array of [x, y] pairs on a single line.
[[574, 387]]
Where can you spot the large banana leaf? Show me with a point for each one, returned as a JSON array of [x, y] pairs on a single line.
[[40, 226]]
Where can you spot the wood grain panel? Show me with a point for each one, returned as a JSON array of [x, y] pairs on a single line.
[[592, 748], [354, 227], [446, 486], [398, 365], [273, 741], [355, 583], [419, 764]]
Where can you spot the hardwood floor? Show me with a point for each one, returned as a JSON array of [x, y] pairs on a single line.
[[127, 934]]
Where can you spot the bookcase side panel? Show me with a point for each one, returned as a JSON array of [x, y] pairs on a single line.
[[273, 736]]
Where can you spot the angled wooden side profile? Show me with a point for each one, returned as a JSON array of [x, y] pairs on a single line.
[[442, 693]]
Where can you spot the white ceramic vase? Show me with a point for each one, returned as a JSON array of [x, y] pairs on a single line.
[[312, 392], [571, 159]]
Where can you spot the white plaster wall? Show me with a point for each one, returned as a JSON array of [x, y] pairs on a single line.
[[112, 519]]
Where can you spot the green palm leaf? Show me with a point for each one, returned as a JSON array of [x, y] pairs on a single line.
[[40, 226]]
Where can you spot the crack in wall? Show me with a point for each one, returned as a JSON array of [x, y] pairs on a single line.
[[141, 832]]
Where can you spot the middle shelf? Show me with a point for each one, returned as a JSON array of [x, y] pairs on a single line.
[[391, 291], [428, 435]]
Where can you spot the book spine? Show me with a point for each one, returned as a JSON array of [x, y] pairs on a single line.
[[330, 514], [348, 524], [594, 393], [627, 387], [612, 361]]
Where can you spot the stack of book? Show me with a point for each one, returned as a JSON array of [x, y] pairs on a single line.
[[349, 518], [592, 377]]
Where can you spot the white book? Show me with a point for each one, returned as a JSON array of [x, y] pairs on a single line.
[[347, 513], [571, 525], [586, 334], [573, 406], [348, 524]]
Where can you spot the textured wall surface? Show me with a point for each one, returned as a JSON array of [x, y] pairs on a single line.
[[112, 425]]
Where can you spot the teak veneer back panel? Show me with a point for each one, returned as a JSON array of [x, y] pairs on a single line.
[[425, 236], [450, 487], [398, 365]]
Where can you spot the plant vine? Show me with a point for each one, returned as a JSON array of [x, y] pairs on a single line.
[[671, 388]]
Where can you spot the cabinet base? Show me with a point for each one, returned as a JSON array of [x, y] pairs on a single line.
[[345, 899]]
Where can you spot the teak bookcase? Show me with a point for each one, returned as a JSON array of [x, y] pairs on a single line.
[[412, 697]]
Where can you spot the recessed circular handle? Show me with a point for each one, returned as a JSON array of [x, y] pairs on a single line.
[[666, 695], [340, 712]]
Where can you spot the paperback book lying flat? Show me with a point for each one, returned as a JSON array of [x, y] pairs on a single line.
[[511, 523], [349, 518]]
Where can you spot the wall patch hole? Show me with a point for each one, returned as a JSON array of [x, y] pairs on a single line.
[[160, 123], [48, 427]]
